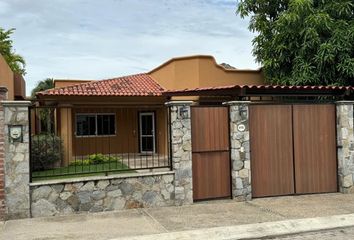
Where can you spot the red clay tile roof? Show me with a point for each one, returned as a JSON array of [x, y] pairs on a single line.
[[133, 85], [144, 85], [260, 87]]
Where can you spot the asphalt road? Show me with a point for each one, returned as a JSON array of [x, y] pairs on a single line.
[[336, 234]]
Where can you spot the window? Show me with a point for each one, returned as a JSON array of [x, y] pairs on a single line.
[[95, 124], [105, 124], [85, 125]]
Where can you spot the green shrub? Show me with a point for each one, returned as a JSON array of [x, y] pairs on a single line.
[[46, 151], [95, 159]]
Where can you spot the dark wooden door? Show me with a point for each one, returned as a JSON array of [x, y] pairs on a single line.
[[271, 150], [210, 152], [315, 148]]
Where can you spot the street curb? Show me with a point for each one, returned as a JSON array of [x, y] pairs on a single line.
[[257, 230]]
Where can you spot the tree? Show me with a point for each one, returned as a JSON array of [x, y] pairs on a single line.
[[15, 61], [303, 42], [45, 84], [46, 115]]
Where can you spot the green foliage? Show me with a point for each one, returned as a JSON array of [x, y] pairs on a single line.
[[303, 42], [15, 61], [43, 85], [46, 116], [46, 151], [95, 159]]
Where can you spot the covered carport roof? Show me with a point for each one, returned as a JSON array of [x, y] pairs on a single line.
[[263, 90]]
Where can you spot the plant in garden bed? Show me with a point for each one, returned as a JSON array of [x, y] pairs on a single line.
[[93, 165], [46, 151], [95, 159]]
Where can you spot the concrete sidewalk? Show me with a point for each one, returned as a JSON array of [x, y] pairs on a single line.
[[213, 214], [257, 230]]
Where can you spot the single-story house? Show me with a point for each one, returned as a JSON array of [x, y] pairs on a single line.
[[126, 115]]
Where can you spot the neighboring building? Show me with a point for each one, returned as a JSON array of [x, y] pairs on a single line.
[[14, 83]]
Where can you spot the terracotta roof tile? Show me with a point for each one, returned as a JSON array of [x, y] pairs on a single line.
[[261, 87], [133, 85]]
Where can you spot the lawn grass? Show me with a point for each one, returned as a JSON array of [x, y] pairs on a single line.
[[81, 171]]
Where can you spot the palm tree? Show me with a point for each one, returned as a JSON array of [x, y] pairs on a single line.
[[15, 61], [43, 85]]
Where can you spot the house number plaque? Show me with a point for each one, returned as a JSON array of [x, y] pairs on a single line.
[[241, 127]]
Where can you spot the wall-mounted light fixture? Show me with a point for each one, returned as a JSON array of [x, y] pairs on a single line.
[[243, 113], [184, 112]]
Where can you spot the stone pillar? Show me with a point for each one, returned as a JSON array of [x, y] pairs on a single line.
[[240, 150], [181, 143], [17, 200], [3, 96], [345, 144]]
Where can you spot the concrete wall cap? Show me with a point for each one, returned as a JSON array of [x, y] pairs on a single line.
[[16, 103], [344, 102], [179, 103], [236, 102], [96, 178]]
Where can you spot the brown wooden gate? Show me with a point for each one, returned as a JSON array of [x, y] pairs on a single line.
[[271, 150], [293, 149], [315, 148], [210, 152]]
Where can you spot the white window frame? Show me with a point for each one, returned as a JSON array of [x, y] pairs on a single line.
[[96, 125], [153, 135]]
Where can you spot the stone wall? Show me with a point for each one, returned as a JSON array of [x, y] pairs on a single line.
[[181, 141], [116, 193], [240, 151], [16, 161], [3, 96], [345, 143]]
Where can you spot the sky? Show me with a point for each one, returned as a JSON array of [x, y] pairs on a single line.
[[98, 39]]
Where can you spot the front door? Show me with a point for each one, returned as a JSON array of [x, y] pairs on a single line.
[[147, 132]]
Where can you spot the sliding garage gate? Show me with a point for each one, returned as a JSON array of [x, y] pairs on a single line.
[[293, 149]]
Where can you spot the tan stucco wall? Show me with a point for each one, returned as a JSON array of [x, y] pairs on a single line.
[[20, 86], [211, 75], [201, 71], [7, 78]]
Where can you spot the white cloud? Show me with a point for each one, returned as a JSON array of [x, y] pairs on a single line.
[[100, 39]]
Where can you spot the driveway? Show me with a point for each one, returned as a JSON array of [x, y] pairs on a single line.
[[219, 213]]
